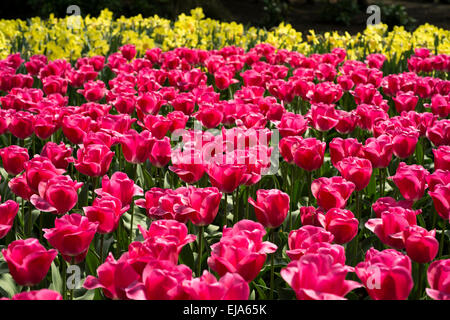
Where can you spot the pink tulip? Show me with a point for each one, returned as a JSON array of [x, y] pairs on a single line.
[[28, 261], [315, 276], [332, 192], [57, 194], [72, 236], [59, 154], [106, 211], [93, 160], [14, 158], [161, 280], [8, 211], [241, 250], [229, 287], [421, 245], [114, 277], [411, 180], [309, 153], [342, 224], [386, 274], [300, 240], [356, 170], [438, 274], [121, 187], [271, 207], [200, 205], [43, 294]]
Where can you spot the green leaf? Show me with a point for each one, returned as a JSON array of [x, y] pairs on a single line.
[[187, 256], [8, 287], [57, 281]]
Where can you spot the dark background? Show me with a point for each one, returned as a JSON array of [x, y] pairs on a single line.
[[320, 15]]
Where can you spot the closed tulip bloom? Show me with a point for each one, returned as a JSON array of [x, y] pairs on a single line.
[[75, 127], [21, 124], [187, 165], [160, 153], [19, 187], [287, 147], [442, 158], [404, 143], [171, 230], [300, 240], [72, 236], [312, 216], [59, 154], [343, 148], [271, 207], [28, 261], [386, 274], [224, 176], [159, 204], [379, 151], [229, 287], [421, 245], [121, 187], [40, 169], [385, 203], [201, 205], [405, 102], [342, 224], [441, 200], [389, 228], [292, 124], [336, 251], [114, 277], [209, 116], [241, 250], [317, 277], [332, 192], [128, 51], [43, 294], [309, 154], [8, 211], [438, 177], [136, 146], [158, 125], [410, 180], [58, 194], [323, 117], [161, 280], [107, 211], [14, 158], [93, 160], [438, 275], [356, 170]]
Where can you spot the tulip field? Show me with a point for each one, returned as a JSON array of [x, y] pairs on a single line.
[[148, 159]]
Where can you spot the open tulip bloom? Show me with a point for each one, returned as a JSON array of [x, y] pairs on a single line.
[[226, 172]]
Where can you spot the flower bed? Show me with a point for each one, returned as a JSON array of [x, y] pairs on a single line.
[[145, 159]]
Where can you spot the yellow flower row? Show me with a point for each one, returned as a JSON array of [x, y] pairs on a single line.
[[73, 36]]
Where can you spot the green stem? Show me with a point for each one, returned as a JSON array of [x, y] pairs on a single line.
[[64, 275], [441, 244], [247, 209], [30, 223], [272, 236], [225, 221], [235, 207], [71, 290], [200, 247], [309, 176], [132, 207], [102, 239]]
